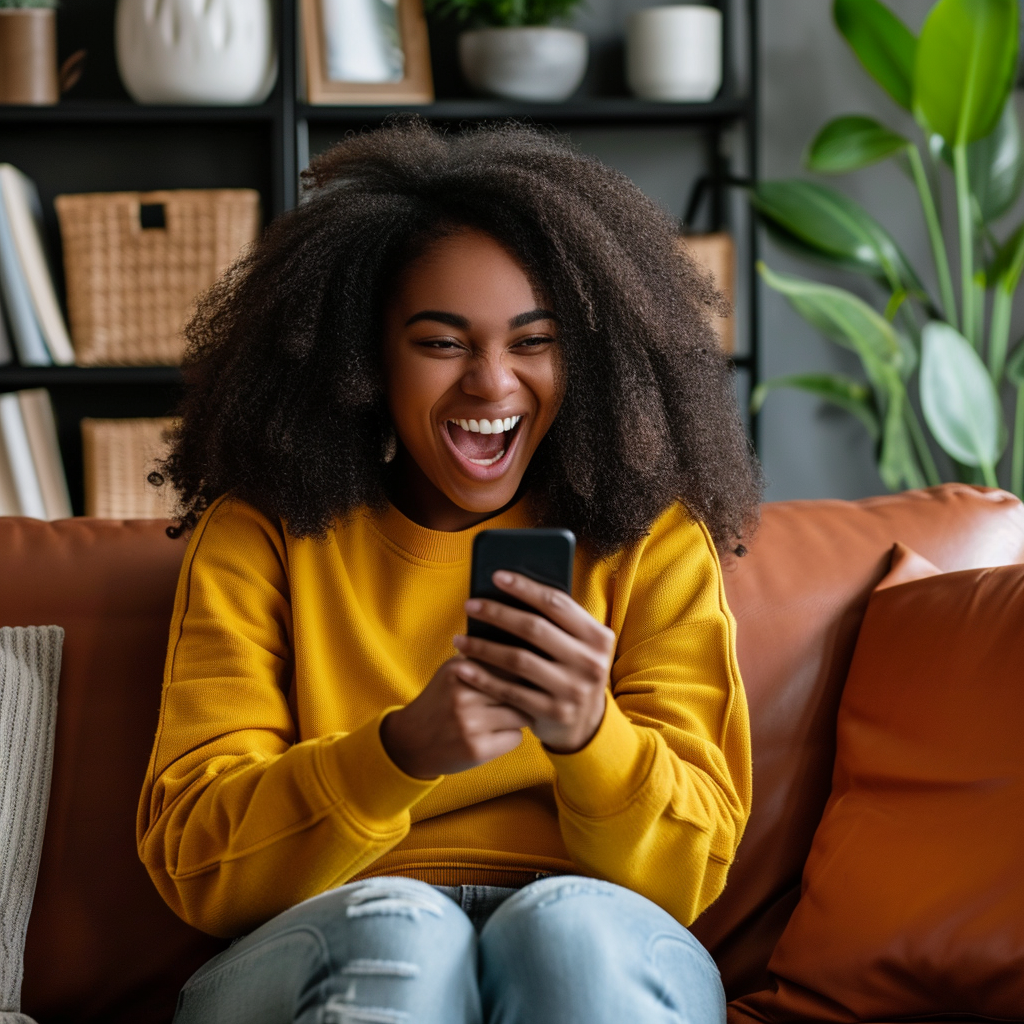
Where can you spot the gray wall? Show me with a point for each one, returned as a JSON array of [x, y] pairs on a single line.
[[808, 76]]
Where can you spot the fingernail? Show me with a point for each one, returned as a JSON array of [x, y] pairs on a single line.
[[503, 577], [474, 605]]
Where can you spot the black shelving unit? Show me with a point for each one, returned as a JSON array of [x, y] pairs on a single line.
[[99, 140]]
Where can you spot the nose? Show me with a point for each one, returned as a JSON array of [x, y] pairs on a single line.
[[489, 377]]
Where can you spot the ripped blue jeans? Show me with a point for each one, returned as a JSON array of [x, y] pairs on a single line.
[[562, 950]]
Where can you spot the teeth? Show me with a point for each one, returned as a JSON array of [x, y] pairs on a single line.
[[488, 462], [488, 426]]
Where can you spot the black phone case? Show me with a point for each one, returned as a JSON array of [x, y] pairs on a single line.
[[544, 555]]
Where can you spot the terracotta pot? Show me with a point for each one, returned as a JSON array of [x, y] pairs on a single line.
[[28, 56]]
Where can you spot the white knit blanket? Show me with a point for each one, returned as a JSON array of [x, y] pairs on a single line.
[[29, 672]]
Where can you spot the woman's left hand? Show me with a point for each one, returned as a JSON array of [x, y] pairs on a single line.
[[568, 704]]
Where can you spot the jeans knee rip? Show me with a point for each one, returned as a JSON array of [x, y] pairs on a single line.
[[393, 901], [387, 968], [338, 1011]]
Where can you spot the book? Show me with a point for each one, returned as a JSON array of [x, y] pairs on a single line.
[[25, 216], [41, 429], [119, 455], [25, 332], [14, 439]]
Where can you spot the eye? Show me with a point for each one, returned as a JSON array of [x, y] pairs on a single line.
[[439, 343], [533, 341]]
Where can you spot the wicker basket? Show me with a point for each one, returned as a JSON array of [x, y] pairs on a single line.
[[135, 263], [716, 254], [119, 455]]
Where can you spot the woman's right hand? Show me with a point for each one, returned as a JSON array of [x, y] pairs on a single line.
[[450, 727]]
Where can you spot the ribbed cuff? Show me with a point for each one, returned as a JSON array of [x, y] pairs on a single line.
[[358, 770], [603, 777]]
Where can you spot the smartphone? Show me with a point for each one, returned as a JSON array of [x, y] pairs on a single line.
[[544, 555]]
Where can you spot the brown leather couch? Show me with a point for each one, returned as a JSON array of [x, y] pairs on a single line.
[[103, 947]]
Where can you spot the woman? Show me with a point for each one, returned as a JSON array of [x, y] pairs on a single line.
[[453, 333]]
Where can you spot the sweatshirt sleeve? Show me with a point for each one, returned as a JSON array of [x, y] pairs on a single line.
[[237, 821], [658, 799]]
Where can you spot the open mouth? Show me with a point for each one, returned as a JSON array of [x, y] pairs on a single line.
[[483, 442]]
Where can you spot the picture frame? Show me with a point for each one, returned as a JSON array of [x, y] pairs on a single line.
[[416, 85]]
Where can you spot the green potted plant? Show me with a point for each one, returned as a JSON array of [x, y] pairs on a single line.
[[28, 51], [509, 48], [946, 354]]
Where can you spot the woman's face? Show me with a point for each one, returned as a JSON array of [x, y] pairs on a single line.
[[472, 374]]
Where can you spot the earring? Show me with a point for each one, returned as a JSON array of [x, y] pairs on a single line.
[[390, 445]]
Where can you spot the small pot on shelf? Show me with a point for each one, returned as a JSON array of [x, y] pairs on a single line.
[[28, 54], [674, 53], [531, 63]]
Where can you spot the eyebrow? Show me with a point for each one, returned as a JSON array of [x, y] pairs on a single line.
[[455, 320]]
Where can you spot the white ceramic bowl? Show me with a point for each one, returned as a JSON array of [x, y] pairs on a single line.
[[675, 53], [539, 64]]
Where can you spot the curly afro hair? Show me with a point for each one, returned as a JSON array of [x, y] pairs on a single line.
[[284, 403]]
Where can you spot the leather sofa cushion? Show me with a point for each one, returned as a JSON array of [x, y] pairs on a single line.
[[913, 893], [799, 597], [101, 945]]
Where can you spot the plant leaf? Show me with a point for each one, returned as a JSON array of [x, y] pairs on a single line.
[[966, 60], [846, 320], [897, 463], [958, 398], [845, 392], [851, 142], [995, 166], [882, 43], [836, 226], [1005, 269]]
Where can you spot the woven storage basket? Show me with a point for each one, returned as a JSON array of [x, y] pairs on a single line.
[[119, 455], [131, 288]]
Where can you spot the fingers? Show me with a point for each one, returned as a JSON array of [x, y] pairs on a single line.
[[515, 661], [557, 606], [530, 704], [535, 629]]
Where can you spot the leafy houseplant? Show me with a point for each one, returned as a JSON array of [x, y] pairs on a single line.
[[510, 49], [28, 51], [951, 350]]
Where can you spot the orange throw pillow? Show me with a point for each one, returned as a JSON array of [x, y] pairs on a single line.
[[913, 893]]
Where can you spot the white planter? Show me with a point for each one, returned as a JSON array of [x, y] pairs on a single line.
[[675, 53], [531, 63], [196, 51]]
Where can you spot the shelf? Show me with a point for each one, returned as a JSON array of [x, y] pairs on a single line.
[[12, 377], [585, 110], [125, 112]]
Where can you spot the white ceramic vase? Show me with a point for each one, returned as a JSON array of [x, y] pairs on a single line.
[[530, 63], [196, 51], [675, 53]]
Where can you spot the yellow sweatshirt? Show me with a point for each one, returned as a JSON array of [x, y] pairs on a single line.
[[268, 782]]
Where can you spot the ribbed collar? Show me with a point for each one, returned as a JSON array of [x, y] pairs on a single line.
[[441, 545]]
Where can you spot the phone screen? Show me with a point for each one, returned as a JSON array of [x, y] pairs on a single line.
[[544, 555]]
